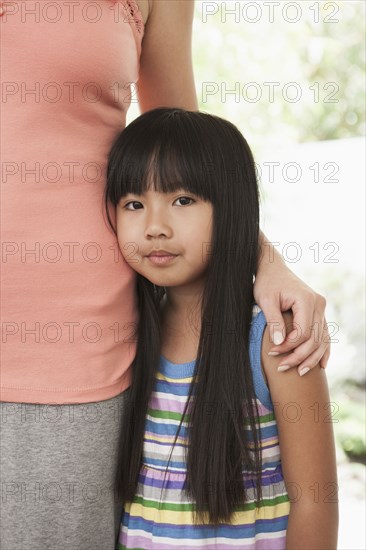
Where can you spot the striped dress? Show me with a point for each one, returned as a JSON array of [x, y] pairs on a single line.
[[160, 516]]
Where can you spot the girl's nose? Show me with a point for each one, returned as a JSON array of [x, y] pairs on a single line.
[[157, 228]]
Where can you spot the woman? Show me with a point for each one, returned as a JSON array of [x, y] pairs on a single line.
[[68, 300]]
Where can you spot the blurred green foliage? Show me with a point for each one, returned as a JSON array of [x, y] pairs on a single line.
[[350, 430], [322, 53]]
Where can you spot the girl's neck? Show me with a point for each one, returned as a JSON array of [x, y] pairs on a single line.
[[180, 315], [181, 302]]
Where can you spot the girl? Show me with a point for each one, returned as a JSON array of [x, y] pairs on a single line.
[[217, 450]]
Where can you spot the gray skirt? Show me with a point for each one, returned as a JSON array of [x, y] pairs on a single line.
[[58, 464]]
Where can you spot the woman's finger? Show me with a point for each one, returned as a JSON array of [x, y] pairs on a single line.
[[303, 357], [275, 321], [303, 320]]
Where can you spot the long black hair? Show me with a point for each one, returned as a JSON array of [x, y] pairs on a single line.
[[208, 156]]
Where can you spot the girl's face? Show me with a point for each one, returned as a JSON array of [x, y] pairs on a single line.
[[165, 237]]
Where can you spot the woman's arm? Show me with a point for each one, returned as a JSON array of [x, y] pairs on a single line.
[[167, 80], [304, 418], [166, 71], [278, 289]]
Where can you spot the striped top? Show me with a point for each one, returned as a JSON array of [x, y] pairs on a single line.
[[160, 516]]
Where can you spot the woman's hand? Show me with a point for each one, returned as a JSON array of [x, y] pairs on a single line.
[[277, 289]]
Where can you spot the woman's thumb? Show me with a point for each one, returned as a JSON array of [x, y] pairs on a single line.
[[276, 325]]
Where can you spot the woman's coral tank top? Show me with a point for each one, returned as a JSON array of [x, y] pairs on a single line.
[[68, 300]]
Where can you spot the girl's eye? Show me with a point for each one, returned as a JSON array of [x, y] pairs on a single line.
[[136, 205], [184, 200]]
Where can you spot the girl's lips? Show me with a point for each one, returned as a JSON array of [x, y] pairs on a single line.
[[159, 259]]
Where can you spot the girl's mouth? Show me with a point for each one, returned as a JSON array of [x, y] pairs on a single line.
[[162, 259]]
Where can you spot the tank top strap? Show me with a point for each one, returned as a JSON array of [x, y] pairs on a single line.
[[258, 325]]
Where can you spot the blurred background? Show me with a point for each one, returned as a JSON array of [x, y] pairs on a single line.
[[291, 76]]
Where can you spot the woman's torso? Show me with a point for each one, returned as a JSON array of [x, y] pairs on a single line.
[[68, 298]]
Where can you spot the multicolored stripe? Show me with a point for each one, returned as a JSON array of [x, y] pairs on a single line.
[[160, 516]]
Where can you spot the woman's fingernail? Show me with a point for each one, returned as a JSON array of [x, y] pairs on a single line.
[[283, 368], [277, 338], [303, 371], [273, 353]]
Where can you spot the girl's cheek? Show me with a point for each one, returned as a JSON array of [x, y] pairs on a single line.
[[120, 242]]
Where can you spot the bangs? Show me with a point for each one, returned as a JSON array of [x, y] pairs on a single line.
[[160, 157]]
